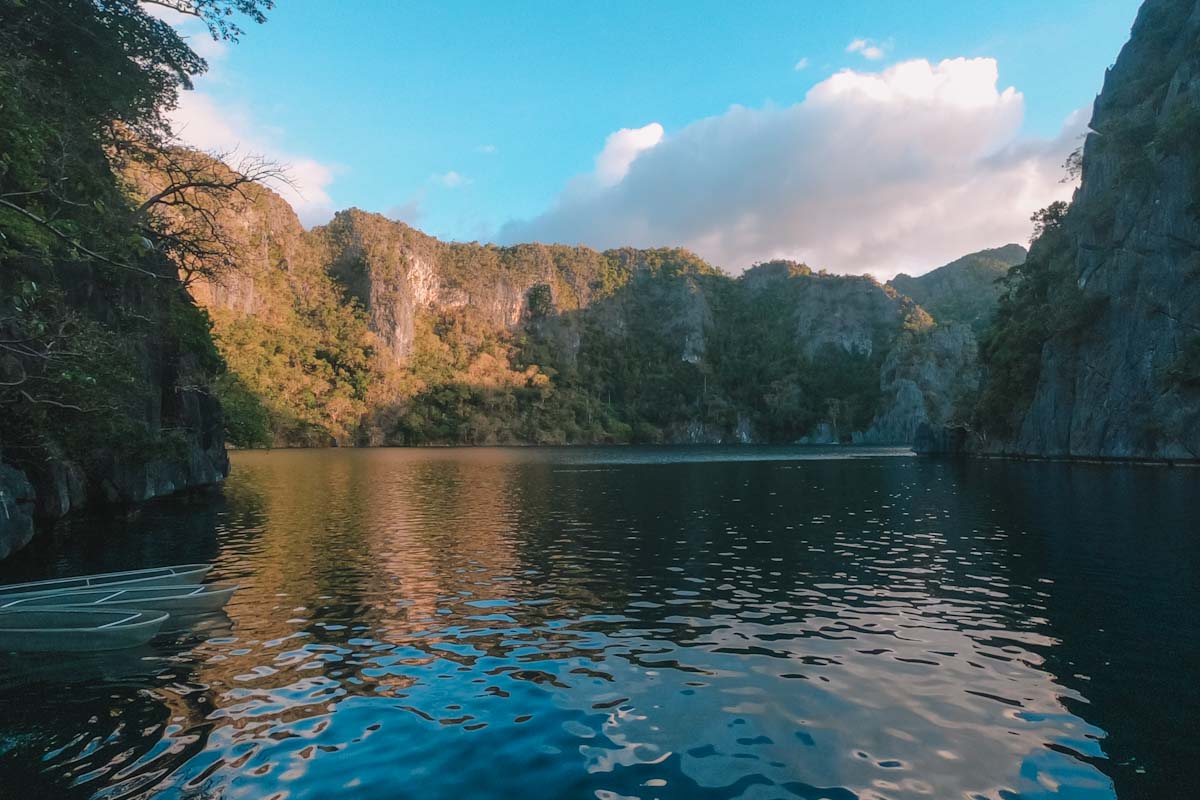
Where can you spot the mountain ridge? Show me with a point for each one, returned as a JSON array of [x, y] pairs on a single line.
[[965, 290], [477, 343]]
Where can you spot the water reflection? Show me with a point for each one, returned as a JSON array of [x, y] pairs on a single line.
[[638, 623]]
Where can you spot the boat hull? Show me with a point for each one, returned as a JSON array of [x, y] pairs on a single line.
[[185, 575], [76, 630], [174, 600]]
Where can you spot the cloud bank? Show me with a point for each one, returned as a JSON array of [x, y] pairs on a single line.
[[621, 149], [880, 172]]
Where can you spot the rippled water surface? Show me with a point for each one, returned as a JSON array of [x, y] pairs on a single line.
[[702, 623]]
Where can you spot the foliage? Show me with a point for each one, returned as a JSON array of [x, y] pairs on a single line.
[[784, 386], [98, 338], [539, 300], [59, 366], [310, 371], [1041, 300], [622, 346], [220, 15], [183, 196], [247, 420]]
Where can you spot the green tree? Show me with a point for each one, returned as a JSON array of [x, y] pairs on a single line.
[[540, 301], [85, 86]]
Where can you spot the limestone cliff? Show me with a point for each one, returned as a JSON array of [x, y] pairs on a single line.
[[16, 510], [470, 343], [368, 331], [853, 314], [924, 380], [395, 272], [1108, 305], [110, 392], [930, 375]]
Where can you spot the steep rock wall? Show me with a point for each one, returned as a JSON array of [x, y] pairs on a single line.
[[924, 378], [753, 358], [1126, 384], [158, 431]]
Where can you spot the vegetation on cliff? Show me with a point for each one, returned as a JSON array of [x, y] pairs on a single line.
[[1040, 299], [105, 362], [366, 331], [966, 290], [1094, 350]]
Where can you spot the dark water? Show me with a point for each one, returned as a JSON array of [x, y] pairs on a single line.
[[623, 623]]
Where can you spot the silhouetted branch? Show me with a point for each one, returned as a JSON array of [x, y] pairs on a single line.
[[74, 242]]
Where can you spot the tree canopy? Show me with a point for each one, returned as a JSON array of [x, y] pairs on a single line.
[[90, 306]]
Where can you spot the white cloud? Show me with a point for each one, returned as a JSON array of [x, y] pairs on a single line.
[[868, 48], [450, 180], [801, 64], [879, 172], [200, 122], [486, 149], [206, 46], [622, 148]]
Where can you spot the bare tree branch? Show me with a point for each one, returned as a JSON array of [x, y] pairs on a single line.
[[187, 192], [180, 6], [45, 401]]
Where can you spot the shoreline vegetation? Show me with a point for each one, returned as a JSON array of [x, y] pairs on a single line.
[[1099, 460]]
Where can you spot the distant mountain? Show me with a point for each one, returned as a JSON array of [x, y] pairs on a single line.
[[367, 331], [965, 290]]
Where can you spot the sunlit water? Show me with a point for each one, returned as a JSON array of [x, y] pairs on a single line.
[[660, 623]]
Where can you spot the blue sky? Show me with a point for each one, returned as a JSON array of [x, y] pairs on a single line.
[[462, 117]]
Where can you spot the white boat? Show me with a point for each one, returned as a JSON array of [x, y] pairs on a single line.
[[181, 575], [76, 630], [172, 599]]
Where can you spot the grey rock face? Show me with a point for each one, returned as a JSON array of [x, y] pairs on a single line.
[[923, 379], [404, 279], [824, 433], [853, 314], [16, 510], [396, 272], [941, 439], [1136, 233], [60, 486], [182, 422]]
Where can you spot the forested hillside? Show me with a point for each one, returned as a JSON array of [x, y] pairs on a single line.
[[366, 331], [965, 290]]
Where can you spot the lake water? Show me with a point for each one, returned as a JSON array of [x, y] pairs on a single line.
[[649, 623]]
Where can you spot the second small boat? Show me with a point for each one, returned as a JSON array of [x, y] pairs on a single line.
[[184, 574], [172, 599]]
